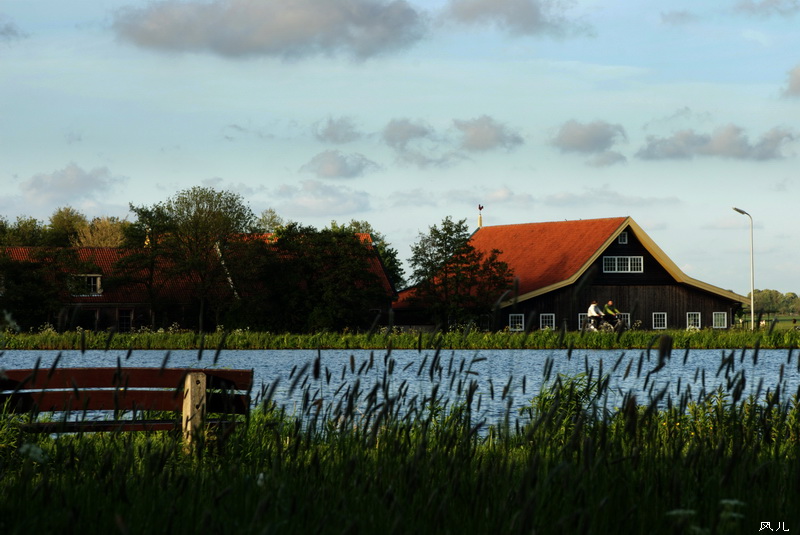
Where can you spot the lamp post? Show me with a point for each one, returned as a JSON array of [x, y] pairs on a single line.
[[752, 279]]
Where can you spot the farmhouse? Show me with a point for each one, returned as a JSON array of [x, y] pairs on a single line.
[[561, 267], [129, 288]]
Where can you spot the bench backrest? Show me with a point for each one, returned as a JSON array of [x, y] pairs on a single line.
[[118, 389]]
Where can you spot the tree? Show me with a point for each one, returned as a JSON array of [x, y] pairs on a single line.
[[101, 232], [453, 280], [330, 283], [195, 227], [388, 255], [269, 221], [25, 231], [65, 224]]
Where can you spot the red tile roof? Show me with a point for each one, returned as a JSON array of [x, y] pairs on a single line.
[[543, 254]]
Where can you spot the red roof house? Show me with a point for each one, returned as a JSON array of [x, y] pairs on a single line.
[[562, 266]]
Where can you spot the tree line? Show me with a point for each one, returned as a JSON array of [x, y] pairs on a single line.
[[259, 272], [775, 302]]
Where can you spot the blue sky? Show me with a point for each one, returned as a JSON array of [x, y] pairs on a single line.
[[401, 113]]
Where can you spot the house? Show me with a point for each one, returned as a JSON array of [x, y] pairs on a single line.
[[562, 266], [124, 289], [90, 289]]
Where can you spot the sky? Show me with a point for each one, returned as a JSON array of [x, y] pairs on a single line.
[[404, 112]]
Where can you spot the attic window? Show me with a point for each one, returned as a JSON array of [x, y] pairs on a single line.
[[623, 264], [88, 284], [623, 238]]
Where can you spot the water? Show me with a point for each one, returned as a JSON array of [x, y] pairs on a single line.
[[505, 380]]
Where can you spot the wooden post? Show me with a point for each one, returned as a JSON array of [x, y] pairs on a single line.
[[194, 406]]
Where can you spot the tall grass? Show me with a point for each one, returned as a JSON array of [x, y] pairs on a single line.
[[382, 457], [466, 339]]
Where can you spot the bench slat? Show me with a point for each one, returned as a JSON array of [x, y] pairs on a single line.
[[130, 377]]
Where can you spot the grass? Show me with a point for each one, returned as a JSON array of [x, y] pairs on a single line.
[[373, 458], [767, 338]]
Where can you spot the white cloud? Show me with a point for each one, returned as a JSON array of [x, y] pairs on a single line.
[[677, 17], [69, 185], [793, 86], [769, 7], [416, 143], [283, 28], [338, 131], [334, 164], [313, 198], [605, 196], [727, 142], [518, 17], [484, 133], [597, 136]]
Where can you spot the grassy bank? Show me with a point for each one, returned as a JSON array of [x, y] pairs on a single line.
[[374, 462], [469, 339]]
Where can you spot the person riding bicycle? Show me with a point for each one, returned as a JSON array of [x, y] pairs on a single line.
[[611, 312], [595, 314]]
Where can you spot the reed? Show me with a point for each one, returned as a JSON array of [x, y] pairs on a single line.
[[360, 456], [466, 339]]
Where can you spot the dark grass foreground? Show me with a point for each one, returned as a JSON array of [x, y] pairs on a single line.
[[377, 459]]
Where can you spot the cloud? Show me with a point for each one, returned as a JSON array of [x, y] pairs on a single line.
[[339, 131], [677, 17], [334, 164], [605, 195], [784, 8], [517, 17], [416, 143], [793, 87], [9, 31], [595, 138], [288, 29], [314, 198], [726, 142], [484, 133], [69, 185]]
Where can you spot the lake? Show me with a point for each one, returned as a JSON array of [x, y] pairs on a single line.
[[505, 380]]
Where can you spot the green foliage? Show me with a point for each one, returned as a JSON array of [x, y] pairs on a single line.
[[452, 280]]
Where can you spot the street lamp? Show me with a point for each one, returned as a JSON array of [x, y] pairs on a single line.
[[752, 279]]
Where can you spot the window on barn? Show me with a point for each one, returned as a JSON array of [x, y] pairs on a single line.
[[88, 284], [623, 238], [124, 320], [720, 320], [623, 264], [692, 320], [516, 322], [583, 317], [659, 320], [547, 321], [626, 317]]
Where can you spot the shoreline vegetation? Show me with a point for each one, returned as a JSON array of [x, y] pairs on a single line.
[[387, 458], [176, 339]]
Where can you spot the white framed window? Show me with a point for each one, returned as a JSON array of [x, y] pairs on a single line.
[[583, 317], [547, 321], [623, 238], [623, 264], [626, 317], [692, 320], [516, 322], [87, 284], [720, 320], [659, 320]]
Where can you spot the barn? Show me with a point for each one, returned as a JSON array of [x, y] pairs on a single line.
[[562, 266]]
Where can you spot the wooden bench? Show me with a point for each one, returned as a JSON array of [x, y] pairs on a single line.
[[123, 399]]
